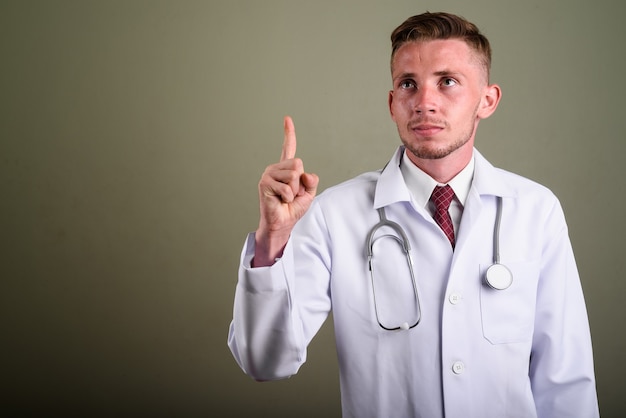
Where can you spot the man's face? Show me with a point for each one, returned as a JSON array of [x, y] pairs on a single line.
[[439, 94]]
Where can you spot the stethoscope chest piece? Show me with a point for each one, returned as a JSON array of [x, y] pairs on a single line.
[[499, 277]]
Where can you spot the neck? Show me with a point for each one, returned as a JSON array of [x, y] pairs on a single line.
[[444, 169]]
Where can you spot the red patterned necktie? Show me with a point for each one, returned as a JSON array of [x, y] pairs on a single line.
[[441, 197]]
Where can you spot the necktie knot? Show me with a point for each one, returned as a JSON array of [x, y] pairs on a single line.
[[442, 197]]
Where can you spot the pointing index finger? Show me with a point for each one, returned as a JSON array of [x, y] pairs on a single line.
[[289, 144]]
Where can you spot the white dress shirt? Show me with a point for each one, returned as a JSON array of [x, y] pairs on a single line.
[[421, 186]]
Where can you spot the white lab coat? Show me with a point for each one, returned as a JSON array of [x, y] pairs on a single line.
[[477, 352]]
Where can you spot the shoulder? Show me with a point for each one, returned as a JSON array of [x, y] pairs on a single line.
[[532, 201], [524, 185], [362, 186], [341, 204], [494, 180]]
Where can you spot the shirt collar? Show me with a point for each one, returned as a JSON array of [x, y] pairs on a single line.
[[421, 185], [484, 179]]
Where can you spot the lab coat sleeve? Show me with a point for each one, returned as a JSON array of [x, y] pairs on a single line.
[[262, 337], [278, 309], [561, 368]]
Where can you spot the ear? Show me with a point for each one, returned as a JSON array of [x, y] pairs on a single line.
[[390, 103], [490, 100]]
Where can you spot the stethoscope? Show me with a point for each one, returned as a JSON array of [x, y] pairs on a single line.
[[497, 276]]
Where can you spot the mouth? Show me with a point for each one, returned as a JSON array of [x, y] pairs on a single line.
[[426, 129]]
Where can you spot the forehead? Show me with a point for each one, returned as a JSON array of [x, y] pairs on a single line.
[[435, 56]]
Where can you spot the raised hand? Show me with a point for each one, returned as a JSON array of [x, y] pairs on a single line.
[[285, 194]]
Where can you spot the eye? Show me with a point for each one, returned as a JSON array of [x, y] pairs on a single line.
[[406, 84], [448, 82]]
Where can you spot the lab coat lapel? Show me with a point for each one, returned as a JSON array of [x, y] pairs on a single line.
[[390, 187], [486, 184], [488, 180]]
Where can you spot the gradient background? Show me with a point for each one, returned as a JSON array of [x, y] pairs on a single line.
[[132, 137]]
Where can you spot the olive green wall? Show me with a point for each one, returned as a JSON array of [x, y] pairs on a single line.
[[132, 137]]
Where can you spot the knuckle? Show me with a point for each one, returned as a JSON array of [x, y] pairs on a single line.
[[293, 176]]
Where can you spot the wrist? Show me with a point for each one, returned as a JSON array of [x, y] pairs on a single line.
[[269, 247]]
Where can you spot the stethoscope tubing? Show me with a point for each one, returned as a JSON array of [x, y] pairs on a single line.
[[406, 246], [497, 276]]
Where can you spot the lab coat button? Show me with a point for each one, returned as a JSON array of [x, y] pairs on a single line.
[[454, 298], [458, 367]]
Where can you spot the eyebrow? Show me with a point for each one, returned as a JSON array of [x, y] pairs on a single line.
[[448, 73], [439, 73], [404, 75]]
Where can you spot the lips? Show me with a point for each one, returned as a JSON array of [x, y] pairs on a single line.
[[426, 129]]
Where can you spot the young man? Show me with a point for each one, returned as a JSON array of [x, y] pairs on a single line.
[[425, 325]]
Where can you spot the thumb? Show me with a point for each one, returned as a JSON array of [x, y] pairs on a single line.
[[310, 182]]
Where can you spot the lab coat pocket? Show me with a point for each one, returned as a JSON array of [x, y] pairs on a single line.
[[508, 315]]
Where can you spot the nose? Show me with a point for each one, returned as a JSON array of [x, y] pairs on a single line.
[[426, 100]]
